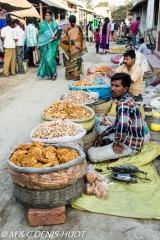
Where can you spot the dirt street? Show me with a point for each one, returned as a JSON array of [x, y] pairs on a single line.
[[22, 100]]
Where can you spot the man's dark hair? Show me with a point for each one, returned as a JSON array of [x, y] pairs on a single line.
[[125, 78], [138, 18], [130, 53], [141, 40], [16, 21], [30, 20], [62, 15], [9, 22]]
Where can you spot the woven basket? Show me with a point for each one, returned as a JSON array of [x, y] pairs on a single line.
[[102, 108], [87, 123], [89, 139], [48, 198]]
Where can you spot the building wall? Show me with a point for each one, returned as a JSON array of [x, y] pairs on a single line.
[[150, 14]]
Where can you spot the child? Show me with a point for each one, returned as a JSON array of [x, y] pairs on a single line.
[[97, 39]]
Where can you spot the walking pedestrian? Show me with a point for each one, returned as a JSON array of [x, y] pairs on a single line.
[[97, 36], [73, 46], [19, 46], [134, 29], [64, 23], [9, 36], [30, 34], [112, 27], [116, 31], [104, 37], [48, 43]]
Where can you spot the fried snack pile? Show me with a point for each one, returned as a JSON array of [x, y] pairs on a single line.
[[83, 82], [67, 110], [95, 184], [79, 96], [102, 70], [36, 155], [118, 49], [55, 129]]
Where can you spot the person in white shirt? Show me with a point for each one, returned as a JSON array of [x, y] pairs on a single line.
[[19, 46], [112, 27], [9, 36], [30, 34], [142, 48]]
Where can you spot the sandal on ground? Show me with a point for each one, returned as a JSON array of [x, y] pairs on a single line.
[[53, 78]]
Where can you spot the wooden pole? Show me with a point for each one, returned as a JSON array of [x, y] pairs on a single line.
[[41, 10]]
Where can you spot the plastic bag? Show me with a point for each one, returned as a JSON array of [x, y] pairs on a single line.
[[95, 184], [155, 103]]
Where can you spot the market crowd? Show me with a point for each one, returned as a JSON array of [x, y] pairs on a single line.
[[40, 43]]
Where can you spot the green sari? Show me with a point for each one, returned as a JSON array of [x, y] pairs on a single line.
[[48, 49]]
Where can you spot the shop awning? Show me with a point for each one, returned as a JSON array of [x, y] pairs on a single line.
[[87, 10], [14, 5], [76, 3], [57, 4], [32, 12], [135, 7]]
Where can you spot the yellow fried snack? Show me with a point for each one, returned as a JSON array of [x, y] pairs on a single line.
[[28, 161], [67, 110], [36, 152], [38, 144], [39, 156], [38, 165], [23, 147]]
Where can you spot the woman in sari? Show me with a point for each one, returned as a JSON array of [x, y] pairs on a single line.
[[73, 46], [48, 46], [104, 37]]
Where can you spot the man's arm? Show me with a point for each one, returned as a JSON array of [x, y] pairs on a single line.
[[112, 73], [137, 74], [140, 49], [123, 122]]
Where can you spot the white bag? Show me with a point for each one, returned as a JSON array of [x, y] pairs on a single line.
[[36, 57]]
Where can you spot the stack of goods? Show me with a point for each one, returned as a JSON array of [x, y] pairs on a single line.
[[102, 122], [80, 97], [95, 184], [58, 132], [58, 171], [100, 70], [155, 125], [74, 112], [117, 49]]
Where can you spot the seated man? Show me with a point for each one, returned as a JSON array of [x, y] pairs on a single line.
[[142, 47], [141, 60], [135, 71], [125, 137]]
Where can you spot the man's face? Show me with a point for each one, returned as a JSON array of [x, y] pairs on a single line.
[[128, 61], [117, 89]]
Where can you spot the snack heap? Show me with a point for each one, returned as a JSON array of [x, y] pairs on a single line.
[[118, 49], [102, 69], [83, 82], [36, 155], [54, 129], [95, 184], [67, 110], [79, 96]]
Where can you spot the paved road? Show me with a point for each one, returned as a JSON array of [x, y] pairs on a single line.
[[22, 100]]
